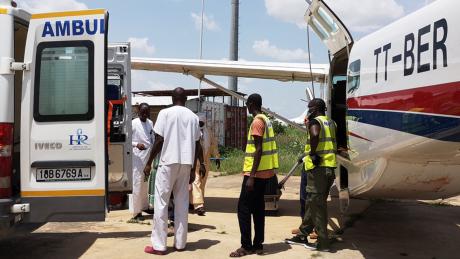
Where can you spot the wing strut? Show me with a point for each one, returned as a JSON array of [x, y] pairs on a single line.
[[216, 85]]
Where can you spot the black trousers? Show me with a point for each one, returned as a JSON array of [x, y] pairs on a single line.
[[252, 203], [303, 191]]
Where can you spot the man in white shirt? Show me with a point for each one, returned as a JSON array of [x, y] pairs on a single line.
[[142, 142], [177, 136]]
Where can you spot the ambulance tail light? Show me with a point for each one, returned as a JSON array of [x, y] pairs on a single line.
[[6, 159]]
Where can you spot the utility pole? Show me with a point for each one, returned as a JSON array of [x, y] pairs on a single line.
[[201, 52], [233, 81]]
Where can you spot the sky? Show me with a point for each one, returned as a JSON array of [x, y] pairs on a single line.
[[269, 30]]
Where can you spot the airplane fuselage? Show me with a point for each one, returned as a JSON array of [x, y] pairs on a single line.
[[403, 102]]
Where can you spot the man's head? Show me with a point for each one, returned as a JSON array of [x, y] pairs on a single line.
[[144, 112], [254, 103], [179, 97], [316, 107]]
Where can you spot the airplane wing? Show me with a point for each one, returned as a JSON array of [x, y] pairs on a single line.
[[263, 70]]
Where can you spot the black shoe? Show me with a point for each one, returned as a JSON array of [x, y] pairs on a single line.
[[136, 218], [139, 217], [315, 247], [297, 240], [148, 211], [200, 211]]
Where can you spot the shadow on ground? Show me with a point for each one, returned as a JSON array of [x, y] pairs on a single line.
[[48, 244], [275, 248], [201, 244], [404, 229]]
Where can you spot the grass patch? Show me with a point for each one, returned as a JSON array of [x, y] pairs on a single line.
[[290, 143]]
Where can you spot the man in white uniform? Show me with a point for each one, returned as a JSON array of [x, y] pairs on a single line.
[[177, 136], [142, 139]]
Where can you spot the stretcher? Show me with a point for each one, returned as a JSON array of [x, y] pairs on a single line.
[[273, 191]]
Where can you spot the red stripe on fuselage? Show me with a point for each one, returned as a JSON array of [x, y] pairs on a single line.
[[443, 99]]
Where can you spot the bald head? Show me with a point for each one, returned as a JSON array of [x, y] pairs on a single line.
[[179, 97]]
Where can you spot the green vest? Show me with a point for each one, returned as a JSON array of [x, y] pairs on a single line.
[[269, 159], [327, 146]]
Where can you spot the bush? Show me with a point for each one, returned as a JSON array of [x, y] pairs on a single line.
[[232, 161], [278, 127], [290, 145]]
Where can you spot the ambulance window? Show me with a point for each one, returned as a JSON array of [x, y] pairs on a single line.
[[353, 77], [64, 81]]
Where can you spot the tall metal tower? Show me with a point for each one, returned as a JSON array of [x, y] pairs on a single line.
[[233, 81]]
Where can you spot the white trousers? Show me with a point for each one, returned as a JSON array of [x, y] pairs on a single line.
[[171, 178], [140, 192]]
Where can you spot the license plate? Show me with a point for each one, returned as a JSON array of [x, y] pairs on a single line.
[[63, 174]]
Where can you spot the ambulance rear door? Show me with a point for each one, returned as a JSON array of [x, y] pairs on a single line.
[[63, 132]]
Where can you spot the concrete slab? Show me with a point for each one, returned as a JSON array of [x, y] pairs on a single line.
[[381, 230]]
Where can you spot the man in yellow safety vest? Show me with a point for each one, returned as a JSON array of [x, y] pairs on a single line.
[[260, 164], [320, 162]]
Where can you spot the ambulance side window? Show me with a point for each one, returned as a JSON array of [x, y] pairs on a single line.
[[353, 77], [64, 85]]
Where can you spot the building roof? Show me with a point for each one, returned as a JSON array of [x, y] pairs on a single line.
[[154, 100], [207, 92]]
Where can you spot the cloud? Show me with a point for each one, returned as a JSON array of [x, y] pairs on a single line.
[[357, 15], [42, 6], [264, 48], [291, 11], [208, 22], [146, 80], [141, 46], [366, 15]]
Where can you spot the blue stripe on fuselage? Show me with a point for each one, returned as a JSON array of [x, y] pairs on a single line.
[[426, 125]]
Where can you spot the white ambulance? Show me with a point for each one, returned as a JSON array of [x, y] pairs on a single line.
[[64, 96]]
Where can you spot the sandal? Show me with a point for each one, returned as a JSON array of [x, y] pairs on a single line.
[[240, 252]]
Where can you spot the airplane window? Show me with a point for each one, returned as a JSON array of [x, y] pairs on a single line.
[[353, 78], [328, 20], [319, 29]]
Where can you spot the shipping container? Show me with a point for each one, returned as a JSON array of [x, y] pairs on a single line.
[[235, 127], [215, 116]]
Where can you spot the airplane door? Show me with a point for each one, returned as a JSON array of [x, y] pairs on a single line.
[[63, 132], [327, 26]]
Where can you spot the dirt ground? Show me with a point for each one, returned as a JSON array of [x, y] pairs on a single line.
[[381, 229]]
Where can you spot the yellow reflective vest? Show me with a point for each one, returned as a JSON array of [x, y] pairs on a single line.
[[269, 159], [327, 145]]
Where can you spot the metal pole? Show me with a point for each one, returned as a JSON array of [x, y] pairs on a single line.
[[201, 52], [201, 30], [233, 81]]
